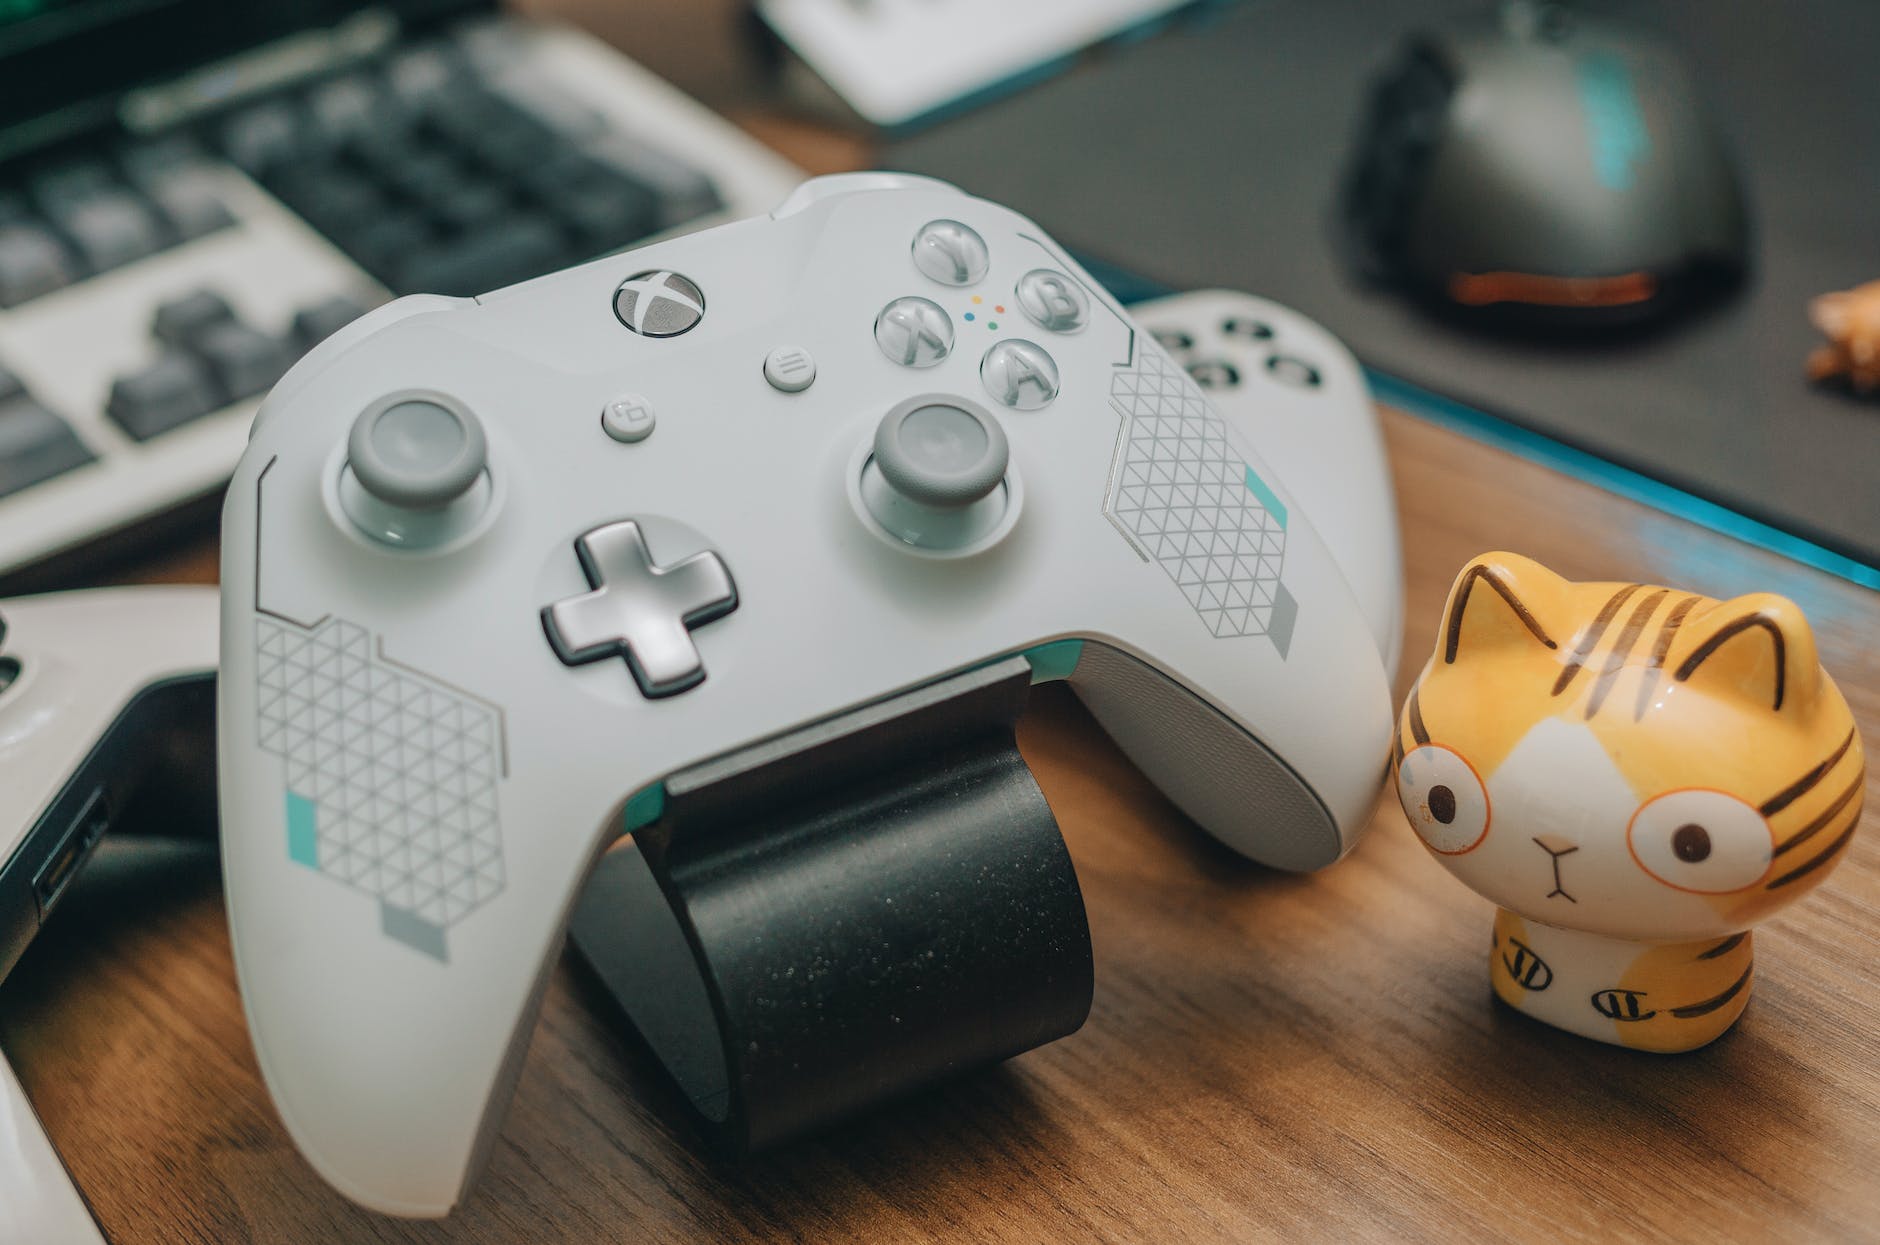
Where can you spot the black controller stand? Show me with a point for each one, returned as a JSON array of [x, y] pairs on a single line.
[[825, 920]]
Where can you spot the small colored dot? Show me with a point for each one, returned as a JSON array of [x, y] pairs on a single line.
[[1000, 310], [977, 300], [969, 315], [993, 325]]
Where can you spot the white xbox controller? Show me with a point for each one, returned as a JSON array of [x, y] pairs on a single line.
[[1294, 391], [494, 568], [98, 690]]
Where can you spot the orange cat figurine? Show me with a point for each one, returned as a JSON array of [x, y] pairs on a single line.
[[1636, 776]]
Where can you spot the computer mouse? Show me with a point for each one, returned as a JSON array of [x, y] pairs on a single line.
[[1536, 163]]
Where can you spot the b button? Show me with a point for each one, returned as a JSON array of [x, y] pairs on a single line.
[[1053, 300]]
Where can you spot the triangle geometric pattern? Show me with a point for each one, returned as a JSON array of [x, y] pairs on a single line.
[[1188, 500], [391, 778]]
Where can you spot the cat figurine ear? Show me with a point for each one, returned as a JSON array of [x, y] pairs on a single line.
[[1758, 649], [1503, 600]]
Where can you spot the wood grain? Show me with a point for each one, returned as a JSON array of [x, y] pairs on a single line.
[[1268, 1056]]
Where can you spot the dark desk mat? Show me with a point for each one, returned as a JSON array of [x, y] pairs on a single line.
[[1210, 155]]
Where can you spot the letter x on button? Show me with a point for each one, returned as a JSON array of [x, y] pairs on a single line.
[[640, 610]]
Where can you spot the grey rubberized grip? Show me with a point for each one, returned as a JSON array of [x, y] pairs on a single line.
[[417, 452], [941, 451]]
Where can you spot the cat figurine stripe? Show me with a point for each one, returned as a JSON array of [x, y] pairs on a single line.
[[1635, 776]]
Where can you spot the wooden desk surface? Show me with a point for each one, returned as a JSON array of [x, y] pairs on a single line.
[[1268, 1056]]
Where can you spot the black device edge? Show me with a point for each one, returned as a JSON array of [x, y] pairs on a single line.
[[159, 752]]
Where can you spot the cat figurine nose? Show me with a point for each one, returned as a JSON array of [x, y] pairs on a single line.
[[1556, 844]]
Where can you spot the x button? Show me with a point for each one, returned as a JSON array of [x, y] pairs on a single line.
[[640, 610]]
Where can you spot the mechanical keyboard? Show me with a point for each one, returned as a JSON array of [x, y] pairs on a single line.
[[153, 287]]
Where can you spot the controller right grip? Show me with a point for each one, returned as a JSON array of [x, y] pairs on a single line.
[[1226, 780]]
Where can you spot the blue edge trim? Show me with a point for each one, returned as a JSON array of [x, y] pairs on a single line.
[[1537, 447]]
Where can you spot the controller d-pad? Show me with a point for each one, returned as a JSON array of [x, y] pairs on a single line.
[[640, 610]]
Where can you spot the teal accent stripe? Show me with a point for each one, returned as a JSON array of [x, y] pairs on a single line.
[[303, 835], [1268, 498], [1540, 448], [1614, 124], [645, 806], [1055, 660]]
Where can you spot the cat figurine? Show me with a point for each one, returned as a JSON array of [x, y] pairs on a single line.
[[1635, 776]]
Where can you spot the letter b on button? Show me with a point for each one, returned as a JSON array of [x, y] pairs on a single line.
[[1053, 301]]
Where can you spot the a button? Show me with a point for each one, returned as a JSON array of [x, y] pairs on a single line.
[[914, 332], [950, 253], [182, 321], [1293, 371], [639, 610], [941, 453], [416, 453], [1053, 301], [1215, 374], [1174, 340], [1251, 330], [35, 445], [789, 368], [1020, 374], [172, 391], [659, 303], [628, 419]]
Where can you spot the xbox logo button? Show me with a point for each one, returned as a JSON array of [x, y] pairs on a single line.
[[659, 303]]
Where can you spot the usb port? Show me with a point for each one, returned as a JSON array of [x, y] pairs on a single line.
[[62, 866]]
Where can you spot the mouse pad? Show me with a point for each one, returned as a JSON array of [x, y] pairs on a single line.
[[1210, 155]]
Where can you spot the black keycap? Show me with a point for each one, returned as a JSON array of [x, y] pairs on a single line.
[[67, 182], [684, 193], [191, 203], [521, 247], [245, 360], [182, 321], [424, 74], [351, 105], [383, 243], [109, 228], [425, 174], [313, 325], [175, 175], [609, 214], [32, 262], [265, 137], [172, 391], [335, 201], [467, 205], [35, 445]]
